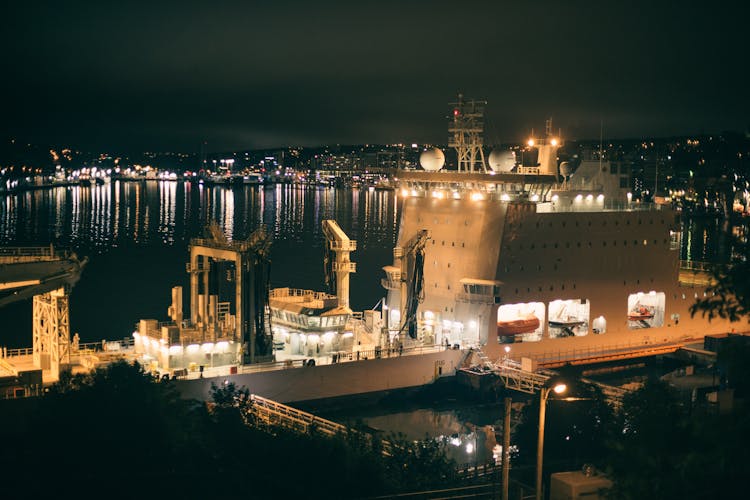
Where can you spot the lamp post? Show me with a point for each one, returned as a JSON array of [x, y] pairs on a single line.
[[543, 395]]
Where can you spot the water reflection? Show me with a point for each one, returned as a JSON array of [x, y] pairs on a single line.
[[136, 236], [99, 217], [471, 433]]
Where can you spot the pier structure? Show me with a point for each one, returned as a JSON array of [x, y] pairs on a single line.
[[47, 275]]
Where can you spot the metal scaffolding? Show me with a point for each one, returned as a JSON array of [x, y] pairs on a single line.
[[51, 331]]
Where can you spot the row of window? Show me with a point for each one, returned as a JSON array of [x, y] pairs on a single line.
[[568, 244], [305, 321], [589, 223], [453, 243]]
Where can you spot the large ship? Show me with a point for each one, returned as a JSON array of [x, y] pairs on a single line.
[[541, 255], [524, 258]]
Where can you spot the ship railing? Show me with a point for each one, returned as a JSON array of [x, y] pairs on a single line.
[[606, 206], [9, 255], [15, 352], [277, 365], [281, 293], [77, 348], [385, 352], [345, 266], [345, 246]]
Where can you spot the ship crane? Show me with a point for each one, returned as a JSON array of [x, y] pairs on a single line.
[[247, 265], [411, 258], [336, 262]]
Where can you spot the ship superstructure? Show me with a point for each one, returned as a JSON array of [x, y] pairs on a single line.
[[541, 256]]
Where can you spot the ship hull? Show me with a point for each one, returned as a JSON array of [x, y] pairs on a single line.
[[336, 380], [599, 263]]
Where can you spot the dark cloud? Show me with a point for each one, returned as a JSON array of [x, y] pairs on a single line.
[[168, 75]]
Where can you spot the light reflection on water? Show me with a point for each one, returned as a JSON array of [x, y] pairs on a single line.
[[472, 433], [136, 236]]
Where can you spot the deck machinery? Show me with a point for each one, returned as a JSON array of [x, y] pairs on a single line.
[[229, 319]]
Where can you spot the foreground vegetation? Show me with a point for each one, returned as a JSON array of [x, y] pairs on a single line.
[[116, 432], [658, 444]]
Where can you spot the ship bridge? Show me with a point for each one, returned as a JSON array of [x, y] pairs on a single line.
[[526, 184]]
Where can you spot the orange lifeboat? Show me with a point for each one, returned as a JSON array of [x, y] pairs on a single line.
[[517, 326]]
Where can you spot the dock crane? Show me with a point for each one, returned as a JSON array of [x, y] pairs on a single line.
[[411, 257], [336, 262]]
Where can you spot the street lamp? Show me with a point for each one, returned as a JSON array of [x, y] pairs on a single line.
[[558, 388]]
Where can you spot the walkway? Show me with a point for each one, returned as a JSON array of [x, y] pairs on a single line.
[[273, 413], [516, 378]]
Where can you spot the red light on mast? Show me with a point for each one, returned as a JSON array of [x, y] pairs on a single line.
[[455, 112]]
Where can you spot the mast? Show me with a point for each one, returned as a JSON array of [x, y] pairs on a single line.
[[467, 127]]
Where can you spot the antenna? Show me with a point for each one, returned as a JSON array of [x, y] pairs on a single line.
[[601, 140]]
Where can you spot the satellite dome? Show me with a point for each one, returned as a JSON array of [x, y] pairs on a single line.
[[432, 160], [566, 169], [502, 160]]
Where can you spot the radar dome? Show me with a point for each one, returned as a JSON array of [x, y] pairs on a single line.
[[432, 160], [566, 169], [502, 160]]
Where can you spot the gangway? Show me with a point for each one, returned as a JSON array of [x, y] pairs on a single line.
[[516, 378], [273, 413]]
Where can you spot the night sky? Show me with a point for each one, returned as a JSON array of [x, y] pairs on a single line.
[[241, 75]]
